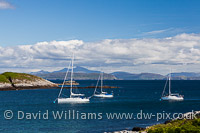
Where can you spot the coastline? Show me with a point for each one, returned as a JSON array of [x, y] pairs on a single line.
[[187, 116], [28, 88], [54, 86], [20, 81]]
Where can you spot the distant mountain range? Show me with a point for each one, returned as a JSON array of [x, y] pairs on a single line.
[[81, 73], [77, 69], [187, 74], [39, 72], [141, 76]]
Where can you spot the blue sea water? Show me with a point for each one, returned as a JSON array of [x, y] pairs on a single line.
[[130, 97]]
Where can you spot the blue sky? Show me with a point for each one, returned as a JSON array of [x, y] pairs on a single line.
[[118, 35], [33, 21]]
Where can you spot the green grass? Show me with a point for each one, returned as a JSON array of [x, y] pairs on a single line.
[[4, 77], [177, 126]]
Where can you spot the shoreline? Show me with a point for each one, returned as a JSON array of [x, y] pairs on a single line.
[[145, 130], [20, 81], [49, 87], [26, 88]]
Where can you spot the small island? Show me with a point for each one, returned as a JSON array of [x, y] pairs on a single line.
[[177, 126], [185, 125], [19, 81]]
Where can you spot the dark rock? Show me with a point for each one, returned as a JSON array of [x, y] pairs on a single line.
[[168, 121], [138, 129]]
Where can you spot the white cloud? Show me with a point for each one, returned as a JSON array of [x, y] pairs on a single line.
[[5, 5], [181, 53], [164, 32], [158, 31]]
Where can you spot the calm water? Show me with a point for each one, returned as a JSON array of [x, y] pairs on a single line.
[[131, 97]]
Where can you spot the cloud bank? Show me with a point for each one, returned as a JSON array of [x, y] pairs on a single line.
[[5, 5], [180, 52]]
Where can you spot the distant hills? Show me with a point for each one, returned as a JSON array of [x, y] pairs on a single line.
[[186, 76], [141, 76], [81, 73], [77, 69], [76, 76], [39, 72]]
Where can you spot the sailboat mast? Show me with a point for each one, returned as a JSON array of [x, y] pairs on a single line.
[[101, 81], [64, 80], [72, 74], [170, 83]]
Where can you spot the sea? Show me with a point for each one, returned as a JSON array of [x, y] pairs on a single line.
[[133, 103]]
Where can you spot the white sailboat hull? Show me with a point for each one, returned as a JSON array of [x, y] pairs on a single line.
[[104, 95], [172, 98], [73, 100]]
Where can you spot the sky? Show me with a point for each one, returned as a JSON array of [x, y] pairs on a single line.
[[114, 35]]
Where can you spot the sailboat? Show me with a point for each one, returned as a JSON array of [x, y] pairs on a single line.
[[74, 97], [102, 94], [171, 96]]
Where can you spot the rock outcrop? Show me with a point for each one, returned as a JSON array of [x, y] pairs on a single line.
[[17, 81], [189, 123]]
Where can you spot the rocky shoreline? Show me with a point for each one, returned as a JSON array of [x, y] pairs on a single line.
[[26, 88], [187, 116], [41, 85], [20, 81], [31, 85], [54, 86]]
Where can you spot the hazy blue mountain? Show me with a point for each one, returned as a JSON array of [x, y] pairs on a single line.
[[40, 72], [186, 74], [80, 73], [124, 75], [84, 73], [153, 76], [141, 76], [76, 76], [62, 70], [78, 69]]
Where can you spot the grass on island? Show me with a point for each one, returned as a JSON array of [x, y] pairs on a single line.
[[4, 77], [177, 126]]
